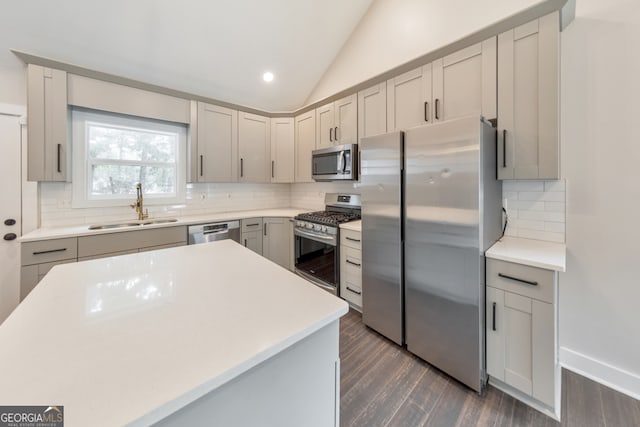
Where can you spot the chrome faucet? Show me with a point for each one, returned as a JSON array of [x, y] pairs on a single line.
[[142, 214]]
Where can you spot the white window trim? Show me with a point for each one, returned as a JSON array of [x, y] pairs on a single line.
[[80, 198]]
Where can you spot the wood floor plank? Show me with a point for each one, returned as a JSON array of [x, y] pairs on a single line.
[[420, 402], [383, 384], [583, 403]]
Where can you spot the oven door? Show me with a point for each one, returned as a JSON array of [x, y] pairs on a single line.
[[317, 259]]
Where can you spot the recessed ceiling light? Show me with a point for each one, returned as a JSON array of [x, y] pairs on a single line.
[[268, 76]]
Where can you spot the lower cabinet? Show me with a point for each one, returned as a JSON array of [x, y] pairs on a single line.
[[252, 234], [521, 331], [37, 258], [41, 256], [351, 267], [276, 240]]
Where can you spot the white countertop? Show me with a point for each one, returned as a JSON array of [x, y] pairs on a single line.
[[535, 253], [131, 339], [352, 225], [83, 230]]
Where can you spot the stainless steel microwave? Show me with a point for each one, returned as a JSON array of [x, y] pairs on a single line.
[[335, 163]]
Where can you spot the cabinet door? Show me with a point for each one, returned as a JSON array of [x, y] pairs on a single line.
[[528, 100], [305, 140], [495, 332], [325, 126], [464, 83], [408, 99], [543, 361], [253, 240], [276, 241], [517, 339], [254, 137], [282, 150], [346, 120], [372, 111], [217, 151], [48, 148]]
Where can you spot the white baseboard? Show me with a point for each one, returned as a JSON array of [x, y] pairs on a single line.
[[611, 376]]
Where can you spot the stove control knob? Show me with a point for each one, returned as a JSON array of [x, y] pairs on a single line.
[[317, 227], [309, 225], [324, 228]]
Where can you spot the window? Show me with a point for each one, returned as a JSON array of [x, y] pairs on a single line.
[[113, 152]]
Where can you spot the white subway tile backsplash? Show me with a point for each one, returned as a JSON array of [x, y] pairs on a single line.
[[536, 209], [56, 211]]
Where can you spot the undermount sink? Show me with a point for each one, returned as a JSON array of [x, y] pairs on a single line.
[[131, 223]]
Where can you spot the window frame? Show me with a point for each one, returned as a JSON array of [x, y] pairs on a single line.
[[81, 198]]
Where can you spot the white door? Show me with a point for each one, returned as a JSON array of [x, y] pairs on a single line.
[[10, 210]]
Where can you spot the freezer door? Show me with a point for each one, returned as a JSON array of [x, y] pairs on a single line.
[[442, 257], [381, 185]]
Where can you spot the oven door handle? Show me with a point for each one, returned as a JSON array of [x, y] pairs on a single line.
[[317, 237], [315, 281]]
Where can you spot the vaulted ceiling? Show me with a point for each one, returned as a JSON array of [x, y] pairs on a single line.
[[216, 48]]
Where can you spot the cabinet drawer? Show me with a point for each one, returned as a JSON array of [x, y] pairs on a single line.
[[350, 259], [520, 279], [251, 224], [90, 246], [351, 238], [49, 250]]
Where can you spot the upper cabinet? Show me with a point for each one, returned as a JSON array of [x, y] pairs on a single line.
[[254, 136], [49, 152], [456, 85], [305, 143], [409, 99], [372, 111], [282, 150], [528, 75], [337, 122], [464, 83], [215, 145]]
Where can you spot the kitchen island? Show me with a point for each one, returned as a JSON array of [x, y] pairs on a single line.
[[209, 334]]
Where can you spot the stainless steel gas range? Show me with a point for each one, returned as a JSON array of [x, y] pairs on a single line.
[[317, 239]]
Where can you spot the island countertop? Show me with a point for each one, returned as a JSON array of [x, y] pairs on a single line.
[[131, 339]]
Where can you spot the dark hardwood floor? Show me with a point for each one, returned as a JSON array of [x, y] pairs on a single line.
[[382, 384]]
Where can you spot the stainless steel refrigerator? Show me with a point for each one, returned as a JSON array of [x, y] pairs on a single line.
[[431, 207]]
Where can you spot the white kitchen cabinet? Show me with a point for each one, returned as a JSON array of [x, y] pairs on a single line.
[[305, 143], [216, 143], [521, 335], [528, 100], [252, 231], [282, 150], [37, 258], [49, 151], [464, 83], [409, 99], [351, 267], [276, 240], [337, 122], [372, 111], [254, 136], [456, 85]]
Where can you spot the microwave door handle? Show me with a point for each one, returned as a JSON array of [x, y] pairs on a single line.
[[342, 163]]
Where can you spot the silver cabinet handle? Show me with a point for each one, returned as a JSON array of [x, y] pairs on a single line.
[[265, 228], [241, 167], [331, 134], [335, 134], [273, 166], [504, 148], [201, 164]]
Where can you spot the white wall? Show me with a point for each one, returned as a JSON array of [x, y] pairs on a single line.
[[394, 32], [600, 292]]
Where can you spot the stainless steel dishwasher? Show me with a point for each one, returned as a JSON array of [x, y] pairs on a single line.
[[203, 233]]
